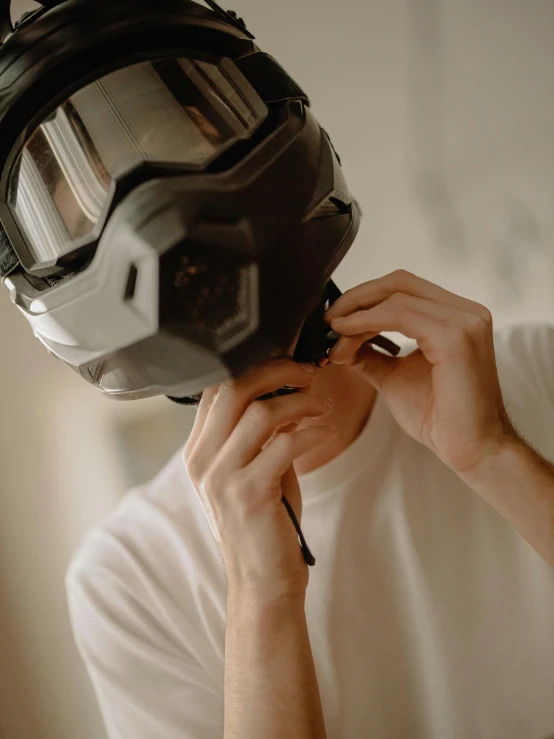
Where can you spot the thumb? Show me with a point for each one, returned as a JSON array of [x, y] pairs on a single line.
[[373, 365]]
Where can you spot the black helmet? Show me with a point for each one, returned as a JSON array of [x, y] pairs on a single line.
[[171, 211]]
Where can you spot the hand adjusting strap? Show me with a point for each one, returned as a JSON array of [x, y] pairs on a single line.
[[314, 343]]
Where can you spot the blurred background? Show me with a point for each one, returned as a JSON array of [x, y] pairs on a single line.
[[443, 114]]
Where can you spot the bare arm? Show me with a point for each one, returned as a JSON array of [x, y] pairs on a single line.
[[519, 483], [240, 457], [271, 688]]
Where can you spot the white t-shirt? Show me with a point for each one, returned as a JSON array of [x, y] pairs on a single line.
[[429, 616]]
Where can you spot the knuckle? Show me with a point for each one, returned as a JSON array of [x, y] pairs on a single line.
[[481, 317], [486, 315], [476, 323], [193, 466], [191, 445], [479, 308], [209, 482], [403, 275], [187, 451]]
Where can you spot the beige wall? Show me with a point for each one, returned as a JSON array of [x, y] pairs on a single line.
[[444, 117]]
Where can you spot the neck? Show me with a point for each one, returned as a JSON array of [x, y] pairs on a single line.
[[353, 400]]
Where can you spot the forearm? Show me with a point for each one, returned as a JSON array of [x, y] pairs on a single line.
[[271, 688], [519, 484]]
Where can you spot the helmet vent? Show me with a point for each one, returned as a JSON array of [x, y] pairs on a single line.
[[131, 285]]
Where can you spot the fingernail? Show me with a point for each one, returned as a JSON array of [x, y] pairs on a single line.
[[328, 402], [309, 368]]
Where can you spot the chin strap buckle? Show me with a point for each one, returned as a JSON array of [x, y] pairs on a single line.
[[316, 338]]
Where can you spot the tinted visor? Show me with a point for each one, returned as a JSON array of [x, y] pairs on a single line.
[[171, 111]]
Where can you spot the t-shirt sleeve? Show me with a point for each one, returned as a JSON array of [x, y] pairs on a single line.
[[148, 684], [525, 360]]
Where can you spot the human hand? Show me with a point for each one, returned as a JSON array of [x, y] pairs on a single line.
[[446, 394], [240, 458]]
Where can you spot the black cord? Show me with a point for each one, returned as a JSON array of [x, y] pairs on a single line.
[[308, 556], [314, 343]]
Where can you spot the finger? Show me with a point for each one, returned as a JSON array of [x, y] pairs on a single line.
[[259, 423], [208, 396], [202, 412], [232, 399], [204, 406], [374, 365], [438, 329], [273, 462], [373, 292], [347, 346]]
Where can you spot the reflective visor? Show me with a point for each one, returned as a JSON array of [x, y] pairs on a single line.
[[170, 111]]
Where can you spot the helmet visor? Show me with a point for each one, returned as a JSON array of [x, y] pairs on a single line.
[[171, 111]]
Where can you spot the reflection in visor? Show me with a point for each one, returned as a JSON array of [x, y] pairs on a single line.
[[178, 111]]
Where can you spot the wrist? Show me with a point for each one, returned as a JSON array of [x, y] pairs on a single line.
[[501, 456], [263, 619], [269, 590], [241, 599]]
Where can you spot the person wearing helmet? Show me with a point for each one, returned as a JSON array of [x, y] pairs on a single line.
[[172, 214]]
